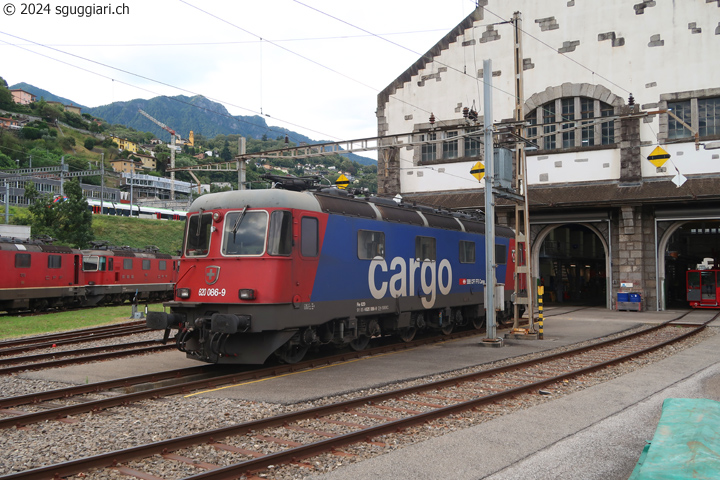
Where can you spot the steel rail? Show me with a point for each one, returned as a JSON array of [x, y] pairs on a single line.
[[89, 358], [114, 458], [70, 337], [214, 382]]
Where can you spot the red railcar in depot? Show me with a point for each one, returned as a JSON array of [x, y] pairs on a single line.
[[38, 275], [703, 290]]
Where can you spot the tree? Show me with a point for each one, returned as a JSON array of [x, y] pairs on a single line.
[[67, 220], [89, 143], [225, 153]]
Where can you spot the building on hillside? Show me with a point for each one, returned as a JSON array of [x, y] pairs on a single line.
[[73, 109], [125, 165], [22, 97], [148, 161], [600, 87], [16, 186], [125, 144], [10, 123], [152, 187]]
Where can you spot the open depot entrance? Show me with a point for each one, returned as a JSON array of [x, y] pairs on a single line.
[[572, 266], [688, 245]]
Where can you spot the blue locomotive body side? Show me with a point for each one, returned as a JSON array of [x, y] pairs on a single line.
[[342, 275]]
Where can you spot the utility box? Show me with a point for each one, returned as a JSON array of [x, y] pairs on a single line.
[[503, 168], [630, 301]]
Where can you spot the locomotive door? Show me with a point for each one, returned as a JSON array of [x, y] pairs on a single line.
[[306, 266], [76, 270]]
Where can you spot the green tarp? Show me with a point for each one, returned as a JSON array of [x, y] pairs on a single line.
[[686, 444]]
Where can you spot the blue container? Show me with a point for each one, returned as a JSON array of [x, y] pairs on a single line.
[[623, 297], [635, 297]]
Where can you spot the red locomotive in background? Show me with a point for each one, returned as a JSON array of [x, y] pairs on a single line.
[[38, 275]]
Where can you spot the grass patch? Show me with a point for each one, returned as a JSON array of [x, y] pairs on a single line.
[[11, 327], [139, 232]]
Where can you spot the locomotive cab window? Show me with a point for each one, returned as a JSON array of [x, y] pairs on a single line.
[[22, 260], [425, 248], [280, 234], [197, 236], [245, 233], [91, 263], [500, 254], [309, 237], [54, 261], [467, 252], [370, 244]]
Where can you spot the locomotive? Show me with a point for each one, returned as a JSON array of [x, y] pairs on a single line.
[[38, 275], [281, 270]]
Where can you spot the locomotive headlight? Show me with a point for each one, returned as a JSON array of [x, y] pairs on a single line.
[[183, 293], [246, 294], [217, 216]]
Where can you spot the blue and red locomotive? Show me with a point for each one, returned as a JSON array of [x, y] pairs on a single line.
[[278, 271], [38, 275]]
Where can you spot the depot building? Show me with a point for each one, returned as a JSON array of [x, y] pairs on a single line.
[[616, 110]]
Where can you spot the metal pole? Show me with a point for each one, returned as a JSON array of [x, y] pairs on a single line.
[[489, 207], [132, 172], [7, 203], [102, 181], [172, 167], [242, 164], [62, 175]]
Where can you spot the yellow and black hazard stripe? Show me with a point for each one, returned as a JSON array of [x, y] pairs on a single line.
[[659, 157], [475, 171]]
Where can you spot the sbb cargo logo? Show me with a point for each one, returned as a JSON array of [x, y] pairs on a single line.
[[434, 276]]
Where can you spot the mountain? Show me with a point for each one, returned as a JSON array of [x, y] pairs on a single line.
[[202, 116], [183, 113], [44, 94]]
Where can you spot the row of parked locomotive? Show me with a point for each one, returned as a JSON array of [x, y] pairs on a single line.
[[277, 272], [38, 275]]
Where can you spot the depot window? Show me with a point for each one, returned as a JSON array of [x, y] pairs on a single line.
[[54, 261], [425, 248], [245, 233], [571, 122], [701, 114], [371, 244], [467, 252]]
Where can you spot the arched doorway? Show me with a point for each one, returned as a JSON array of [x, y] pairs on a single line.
[[572, 265], [687, 246]]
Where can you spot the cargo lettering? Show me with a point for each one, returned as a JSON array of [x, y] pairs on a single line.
[[402, 272]]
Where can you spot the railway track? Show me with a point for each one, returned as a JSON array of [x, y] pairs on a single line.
[[25, 344], [341, 428]]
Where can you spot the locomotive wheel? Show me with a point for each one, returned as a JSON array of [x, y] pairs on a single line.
[[407, 334], [478, 322], [292, 353], [447, 328], [360, 343]]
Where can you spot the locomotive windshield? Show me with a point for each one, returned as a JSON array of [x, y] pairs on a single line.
[[245, 232], [197, 237]]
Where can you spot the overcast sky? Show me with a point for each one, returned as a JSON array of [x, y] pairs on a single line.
[[316, 70]]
